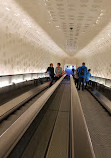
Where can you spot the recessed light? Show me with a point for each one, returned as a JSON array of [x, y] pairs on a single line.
[[101, 14], [7, 9], [109, 34]]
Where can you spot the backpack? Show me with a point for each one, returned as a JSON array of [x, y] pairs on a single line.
[[82, 71]]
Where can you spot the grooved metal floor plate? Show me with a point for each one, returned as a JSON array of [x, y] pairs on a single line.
[[66, 100], [41, 137], [58, 147], [99, 124]]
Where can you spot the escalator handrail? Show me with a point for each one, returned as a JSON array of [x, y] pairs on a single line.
[[12, 105], [13, 134], [80, 138]]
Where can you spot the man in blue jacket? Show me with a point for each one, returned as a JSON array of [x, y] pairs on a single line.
[[82, 71]]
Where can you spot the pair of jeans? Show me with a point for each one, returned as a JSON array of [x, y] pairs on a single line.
[[76, 82], [51, 81], [81, 79], [87, 82]]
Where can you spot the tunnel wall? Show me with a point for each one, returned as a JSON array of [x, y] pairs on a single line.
[[24, 46], [100, 64], [20, 57]]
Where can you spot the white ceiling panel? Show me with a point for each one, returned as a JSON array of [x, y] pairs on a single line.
[[70, 24]]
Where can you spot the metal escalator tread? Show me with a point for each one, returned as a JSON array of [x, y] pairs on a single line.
[[66, 100], [58, 147], [39, 142], [99, 124], [38, 146]]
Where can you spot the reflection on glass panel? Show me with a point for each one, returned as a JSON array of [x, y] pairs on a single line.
[[14, 79]]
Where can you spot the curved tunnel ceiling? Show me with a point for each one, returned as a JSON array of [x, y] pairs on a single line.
[[71, 27]]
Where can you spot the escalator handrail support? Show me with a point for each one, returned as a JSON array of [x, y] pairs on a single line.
[[79, 125], [13, 134]]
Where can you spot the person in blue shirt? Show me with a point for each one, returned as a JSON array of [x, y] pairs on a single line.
[[82, 71], [87, 77]]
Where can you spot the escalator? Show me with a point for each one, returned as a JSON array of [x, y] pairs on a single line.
[[48, 135], [99, 124], [69, 124]]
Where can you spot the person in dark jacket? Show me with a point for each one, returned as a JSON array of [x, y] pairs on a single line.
[[82, 71], [76, 78], [50, 71]]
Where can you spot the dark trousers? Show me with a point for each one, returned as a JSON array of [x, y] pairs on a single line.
[[57, 78], [35, 82], [87, 82], [76, 82], [51, 81], [81, 79]]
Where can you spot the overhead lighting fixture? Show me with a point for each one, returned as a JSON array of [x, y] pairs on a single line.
[[97, 21], [109, 34], [101, 14], [7, 9], [71, 28]]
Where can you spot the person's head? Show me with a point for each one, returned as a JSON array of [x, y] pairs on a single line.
[[83, 64], [89, 70], [51, 65], [58, 64]]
